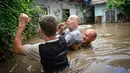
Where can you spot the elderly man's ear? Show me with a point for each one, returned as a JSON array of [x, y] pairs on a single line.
[[93, 39]]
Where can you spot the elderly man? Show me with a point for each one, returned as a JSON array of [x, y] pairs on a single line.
[[71, 33]]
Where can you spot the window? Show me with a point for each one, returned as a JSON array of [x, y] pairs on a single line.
[[65, 14], [45, 10], [110, 16]]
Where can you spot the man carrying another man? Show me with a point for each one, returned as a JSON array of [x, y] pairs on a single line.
[[73, 35], [53, 52]]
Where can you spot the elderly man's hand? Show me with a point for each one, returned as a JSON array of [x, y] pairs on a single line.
[[23, 20], [62, 26], [75, 46]]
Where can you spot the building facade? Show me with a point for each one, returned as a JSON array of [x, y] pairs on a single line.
[[103, 15], [61, 8]]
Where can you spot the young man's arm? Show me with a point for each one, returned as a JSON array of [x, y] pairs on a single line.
[[17, 43]]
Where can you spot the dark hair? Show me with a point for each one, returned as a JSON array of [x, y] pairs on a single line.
[[48, 24]]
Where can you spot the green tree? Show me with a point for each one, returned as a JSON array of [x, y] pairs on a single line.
[[122, 5], [9, 12]]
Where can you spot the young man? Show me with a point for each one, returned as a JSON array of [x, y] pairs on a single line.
[[52, 53], [71, 33]]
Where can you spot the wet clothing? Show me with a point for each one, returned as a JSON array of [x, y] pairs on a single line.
[[54, 57], [52, 54], [73, 37]]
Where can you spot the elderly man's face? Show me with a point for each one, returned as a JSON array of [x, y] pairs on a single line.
[[70, 23]]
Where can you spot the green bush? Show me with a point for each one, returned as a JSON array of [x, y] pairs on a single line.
[[9, 12]]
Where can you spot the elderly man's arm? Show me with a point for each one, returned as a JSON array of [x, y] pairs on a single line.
[[73, 41], [75, 46], [62, 27]]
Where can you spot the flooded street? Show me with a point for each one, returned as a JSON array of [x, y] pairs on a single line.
[[110, 53]]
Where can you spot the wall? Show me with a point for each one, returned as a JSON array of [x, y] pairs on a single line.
[[97, 1], [55, 5], [99, 9]]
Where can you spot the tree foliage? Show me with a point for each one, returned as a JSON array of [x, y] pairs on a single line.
[[115, 4], [122, 5], [9, 12]]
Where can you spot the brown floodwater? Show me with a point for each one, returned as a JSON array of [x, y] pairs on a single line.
[[110, 53]]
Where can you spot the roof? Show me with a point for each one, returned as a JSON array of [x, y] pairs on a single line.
[[93, 2]]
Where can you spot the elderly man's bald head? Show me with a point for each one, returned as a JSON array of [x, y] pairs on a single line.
[[89, 36], [72, 22], [92, 33], [74, 18]]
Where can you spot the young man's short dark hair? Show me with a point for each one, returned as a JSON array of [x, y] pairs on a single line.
[[48, 22]]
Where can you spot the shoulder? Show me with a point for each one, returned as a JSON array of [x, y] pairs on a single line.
[[66, 30], [31, 46], [62, 38], [32, 51], [76, 32]]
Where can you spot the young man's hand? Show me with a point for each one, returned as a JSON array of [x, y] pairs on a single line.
[[23, 20]]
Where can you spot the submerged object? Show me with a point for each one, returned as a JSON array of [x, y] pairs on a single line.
[[80, 27]]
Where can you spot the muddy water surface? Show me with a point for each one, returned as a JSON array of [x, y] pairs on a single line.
[[110, 53]]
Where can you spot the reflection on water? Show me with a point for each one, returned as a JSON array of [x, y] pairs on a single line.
[[104, 68], [13, 68], [110, 53]]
